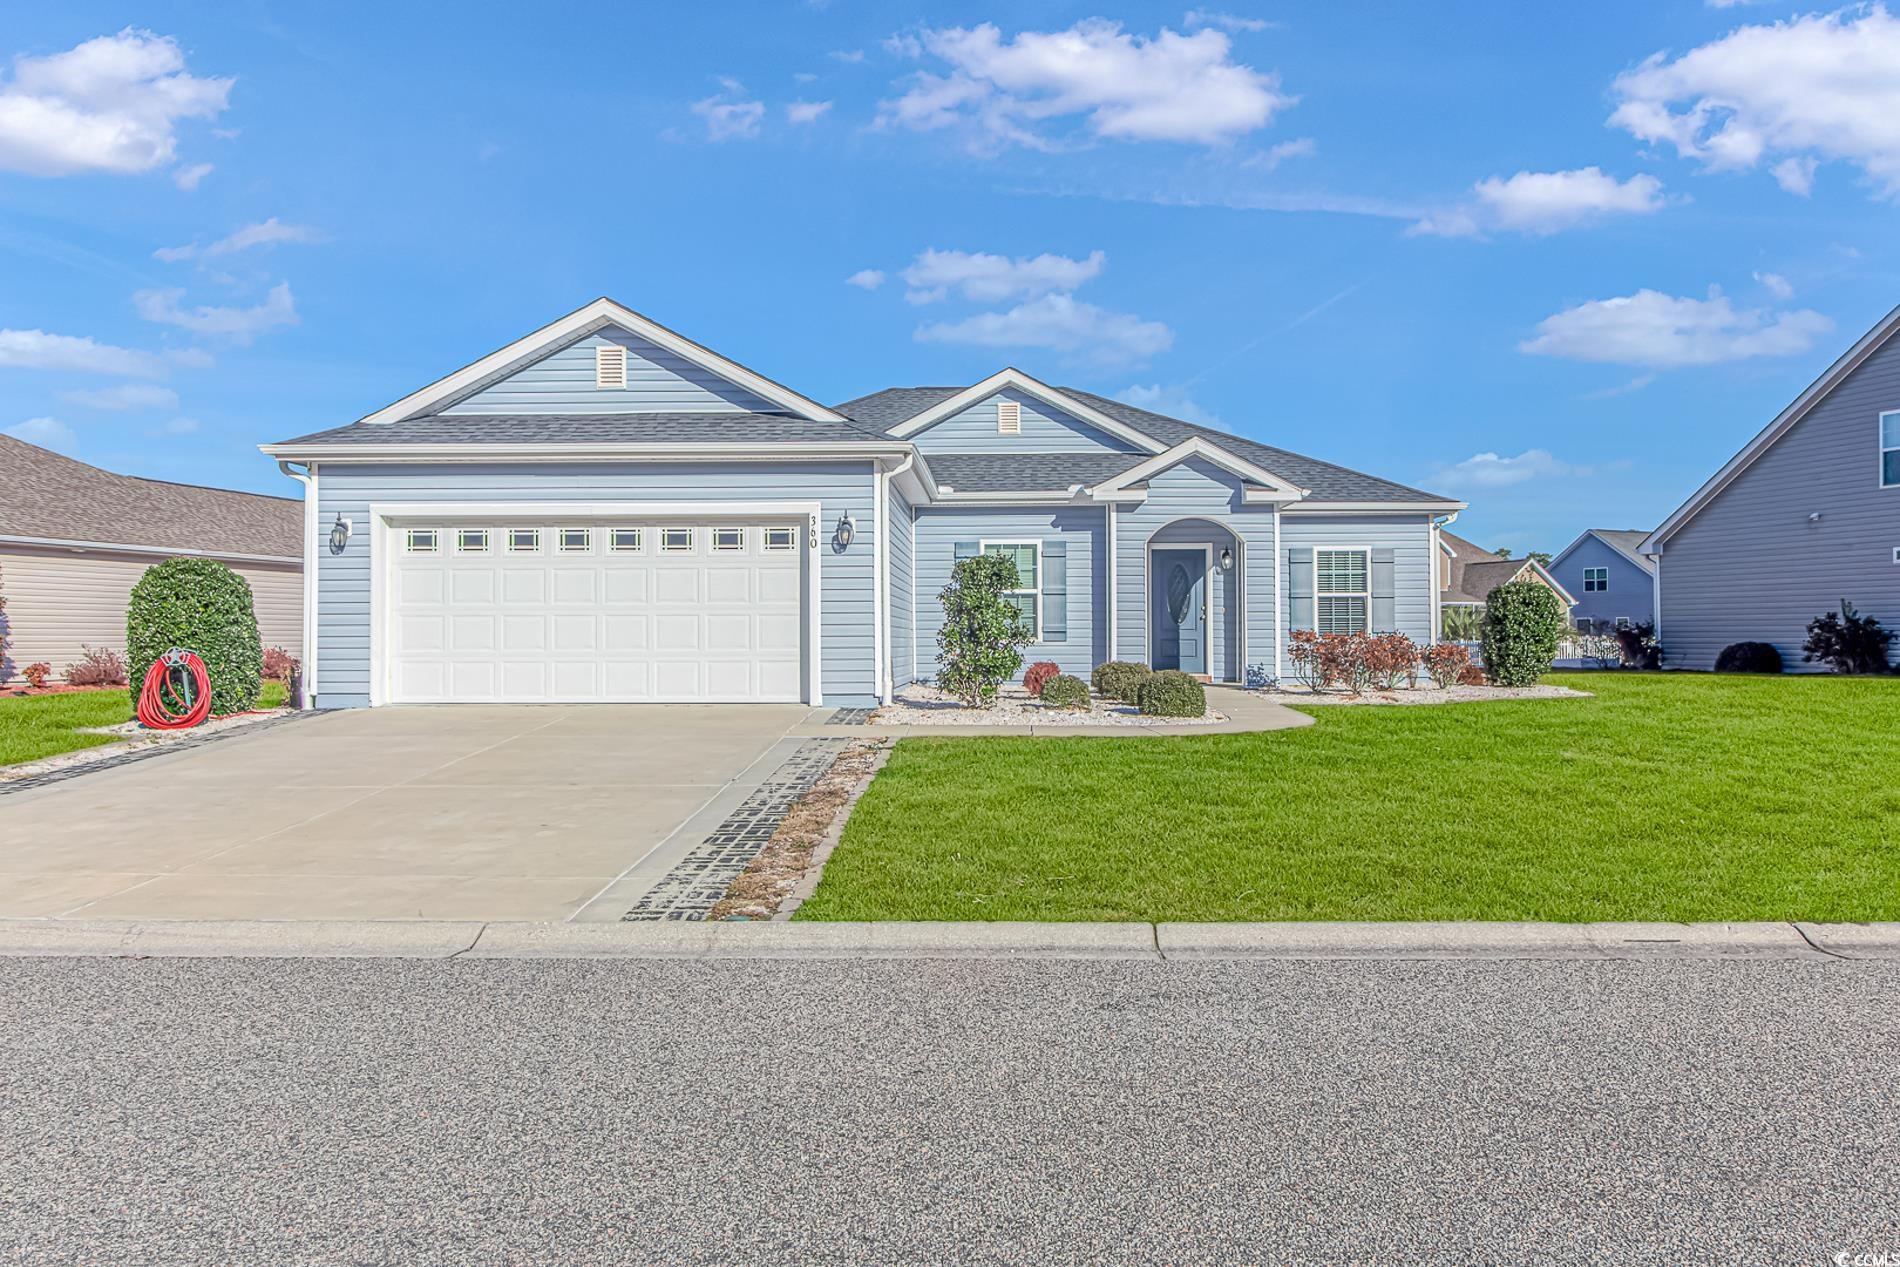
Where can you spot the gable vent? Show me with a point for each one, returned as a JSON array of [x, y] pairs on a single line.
[[610, 365], [1009, 418]]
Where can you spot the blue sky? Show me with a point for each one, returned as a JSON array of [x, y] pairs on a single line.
[[1559, 260]]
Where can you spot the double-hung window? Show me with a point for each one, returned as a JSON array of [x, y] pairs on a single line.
[[1596, 580], [1027, 597], [1342, 584], [1890, 449]]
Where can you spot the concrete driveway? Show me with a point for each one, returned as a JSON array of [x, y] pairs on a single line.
[[464, 812]]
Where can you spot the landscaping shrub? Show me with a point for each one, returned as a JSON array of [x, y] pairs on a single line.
[[1639, 646], [1749, 657], [100, 666], [1039, 674], [1470, 675], [1065, 690], [1847, 642], [980, 643], [1172, 693], [1389, 658], [1600, 649], [1121, 680], [1259, 679], [1522, 623], [1463, 622], [1446, 662], [202, 606], [36, 673], [279, 665]]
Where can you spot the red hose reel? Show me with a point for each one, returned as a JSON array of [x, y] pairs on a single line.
[[176, 694]]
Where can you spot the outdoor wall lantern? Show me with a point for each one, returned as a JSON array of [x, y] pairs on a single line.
[[339, 534], [847, 529], [1226, 559]]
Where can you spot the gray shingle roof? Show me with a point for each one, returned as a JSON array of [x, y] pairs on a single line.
[[1325, 480], [689, 428], [1630, 542], [44, 494], [1031, 472]]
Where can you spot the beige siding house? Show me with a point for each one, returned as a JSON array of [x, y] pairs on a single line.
[[74, 540]]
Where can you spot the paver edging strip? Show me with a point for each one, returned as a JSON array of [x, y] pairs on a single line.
[[808, 883], [113, 756], [470, 939]]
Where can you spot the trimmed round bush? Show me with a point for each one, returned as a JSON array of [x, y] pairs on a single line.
[[1522, 623], [1121, 680], [202, 606], [1172, 693], [1039, 674], [1749, 657], [1065, 690]]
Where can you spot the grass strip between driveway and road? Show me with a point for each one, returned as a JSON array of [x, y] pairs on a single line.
[[35, 726], [1665, 797]]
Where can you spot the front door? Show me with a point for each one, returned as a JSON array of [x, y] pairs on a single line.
[[1177, 609]]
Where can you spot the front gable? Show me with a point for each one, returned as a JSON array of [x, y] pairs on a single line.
[[564, 382], [1200, 462], [1039, 427]]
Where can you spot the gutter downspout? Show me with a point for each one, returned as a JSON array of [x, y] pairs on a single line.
[[308, 478], [1439, 523]]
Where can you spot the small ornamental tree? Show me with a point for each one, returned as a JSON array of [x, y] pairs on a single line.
[[1847, 642], [203, 606], [1522, 622], [980, 644]]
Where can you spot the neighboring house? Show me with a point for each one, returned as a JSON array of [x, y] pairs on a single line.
[[606, 510], [74, 540], [1466, 576], [1807, 514], [1614, 585]]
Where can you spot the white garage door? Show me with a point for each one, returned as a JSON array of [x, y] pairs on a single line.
[[599, 611]]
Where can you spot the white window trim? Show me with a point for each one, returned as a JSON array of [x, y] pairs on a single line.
[[585, 547], [639, 540], [1880, 440], [1366, 593], [486, 547], [716, 529], [435, 541], [983, 547], [512, 548], [688, 548]]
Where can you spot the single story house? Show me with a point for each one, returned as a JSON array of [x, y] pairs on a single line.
[[75, 539], [607, 510], [1806, 515], [1614, 584], [1467, 573]]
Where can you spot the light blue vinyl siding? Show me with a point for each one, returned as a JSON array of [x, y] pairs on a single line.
[[1632, 591], [1044, 430], [1081, 527], [846, 591], [1208, 497], [903, 659], [562, 382], [1409, 537]]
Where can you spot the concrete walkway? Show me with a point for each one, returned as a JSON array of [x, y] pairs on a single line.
[[1246, 712], [448, 939]]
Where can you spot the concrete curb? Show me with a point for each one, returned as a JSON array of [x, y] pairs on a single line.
[[469, 939]]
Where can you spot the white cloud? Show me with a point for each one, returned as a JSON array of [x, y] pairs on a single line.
[[806, 111], [191, 358], [729, 114], [189, 178], [111, 104], [1303, 147], [179, 427], [1811, 89], [126, 396], [1621, 389], [1174, 401], [48, 433], [1660, 331], [988, 278], [266, 233], [1225, 21], [1545, 202], [1169, 87], [1776, 285], [849, 56], [38, 350], [1059, 323], [1491, 470], [238, 325], [866, 279]]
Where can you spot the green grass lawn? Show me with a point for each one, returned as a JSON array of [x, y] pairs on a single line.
[[35, 726], [1674, 797]]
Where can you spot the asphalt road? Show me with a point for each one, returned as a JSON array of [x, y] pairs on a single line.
[[273, 1112]]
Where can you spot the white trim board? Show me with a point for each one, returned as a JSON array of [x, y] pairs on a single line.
[[385, 520], [788, 451], [580, 323], [1014, 378]]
